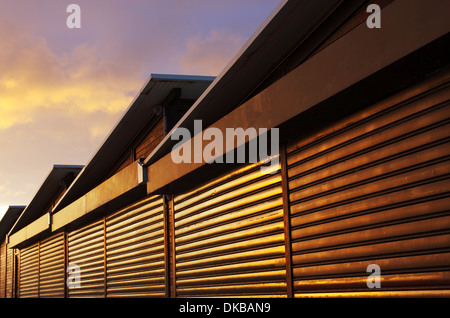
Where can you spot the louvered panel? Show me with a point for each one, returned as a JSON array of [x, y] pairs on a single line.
[[374, 189], [9, 272], [135, 250], [3, 269], [29, 272], [229, 238], [86, 250], [52, 267]]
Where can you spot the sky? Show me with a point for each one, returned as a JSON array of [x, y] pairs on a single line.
[[63, 89]]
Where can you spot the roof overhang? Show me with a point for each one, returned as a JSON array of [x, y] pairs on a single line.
[[411, 45], [365, 55], [122, 188], [286, 29], [281, 33], [46, 194], [135, 118], [10, 217]]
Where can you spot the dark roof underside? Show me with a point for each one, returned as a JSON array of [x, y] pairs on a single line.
[[55, 181]]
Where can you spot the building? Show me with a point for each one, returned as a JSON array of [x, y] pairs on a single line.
[[25, 222], [8, 259], [362, 176]]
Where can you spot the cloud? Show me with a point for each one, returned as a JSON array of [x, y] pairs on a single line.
[[34, 78], [209, 54], [55, 108], [62, 91], [29, 150]]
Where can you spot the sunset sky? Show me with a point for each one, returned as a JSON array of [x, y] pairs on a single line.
[[62, 90]]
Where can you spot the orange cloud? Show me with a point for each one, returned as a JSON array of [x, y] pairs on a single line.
[[54, 108], [33, 78]]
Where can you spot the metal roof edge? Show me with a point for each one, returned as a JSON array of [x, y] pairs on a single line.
[[122, 122], [249, 53], [10, 218]]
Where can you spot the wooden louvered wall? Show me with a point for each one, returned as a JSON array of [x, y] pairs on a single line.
[[3, 262], [135, 250], [29, 272], [9, 280], [374, 189], [121, 255], [52, 267], [229, 237], [86, 250]]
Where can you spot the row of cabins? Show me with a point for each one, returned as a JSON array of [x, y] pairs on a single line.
[[362, 175]]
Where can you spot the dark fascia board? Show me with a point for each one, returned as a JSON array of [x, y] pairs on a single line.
[[44, 196], [387, 61], [9, 218], [134, 119], [282, 32]]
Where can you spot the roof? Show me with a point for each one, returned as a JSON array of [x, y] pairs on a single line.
[[282, 32], [135, 118], [9, 218], [59, 176]]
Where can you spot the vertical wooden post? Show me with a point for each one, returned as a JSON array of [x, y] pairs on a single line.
[[39, 270], [104, 260], [286, 220], [166, 246], [66, 264], [5, 265], [16, 273], [172, 246]]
